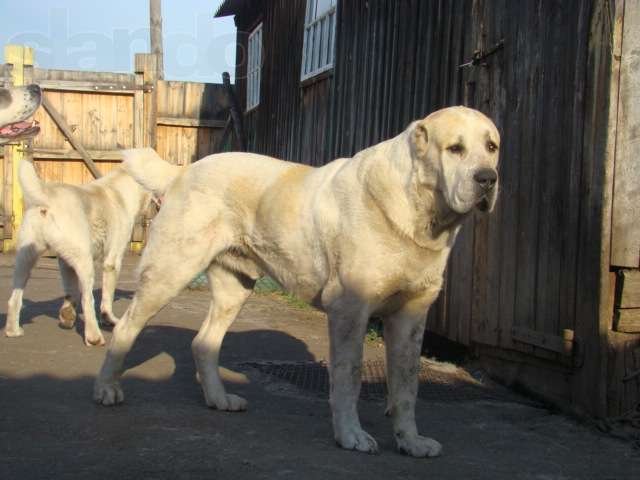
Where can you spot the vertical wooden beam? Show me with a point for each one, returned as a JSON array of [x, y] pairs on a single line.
[[145, 123], [155, 17], [625, 229], [21, 60], [146, 65], [235, 112]]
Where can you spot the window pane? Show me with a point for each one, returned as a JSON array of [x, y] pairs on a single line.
[[322, 7], [311, 10]]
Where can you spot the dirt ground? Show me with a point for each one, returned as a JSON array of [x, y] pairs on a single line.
[[50, 428]]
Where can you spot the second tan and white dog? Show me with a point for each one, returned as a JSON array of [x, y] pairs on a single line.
[[368, 235], [80, 224]]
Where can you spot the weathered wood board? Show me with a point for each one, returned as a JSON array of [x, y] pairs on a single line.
[[625, 228]]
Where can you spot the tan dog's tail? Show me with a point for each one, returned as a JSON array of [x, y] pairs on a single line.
[[32, 187], [149, 169]]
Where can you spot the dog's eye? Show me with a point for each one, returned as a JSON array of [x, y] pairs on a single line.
[[456, 149], [492, 147]]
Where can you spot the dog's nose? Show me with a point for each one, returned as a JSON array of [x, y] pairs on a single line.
[[486, 178]]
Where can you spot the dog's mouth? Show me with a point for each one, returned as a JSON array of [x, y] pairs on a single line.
[[20, 130]]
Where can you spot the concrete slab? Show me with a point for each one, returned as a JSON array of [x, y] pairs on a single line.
[[49, 427]]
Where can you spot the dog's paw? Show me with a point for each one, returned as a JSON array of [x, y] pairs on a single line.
[[67, 317], [108, 394], [418, 446], [228, 403], [92, 340], [14, 332], [357, 439]]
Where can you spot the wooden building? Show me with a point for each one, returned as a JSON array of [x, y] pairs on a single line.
[[546, 289]]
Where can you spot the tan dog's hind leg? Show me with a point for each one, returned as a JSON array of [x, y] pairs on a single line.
[[28, 254], [67, 314], [165, 270], [403, 333], [347, 327], [229, 292]]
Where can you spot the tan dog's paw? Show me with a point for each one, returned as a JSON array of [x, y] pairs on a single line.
[[418, 446], [108, 394], [14, 332], [228, 403], [357, 439], [67, 316], [94, 340]]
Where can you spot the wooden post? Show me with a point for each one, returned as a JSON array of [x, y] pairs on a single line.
[[21, 60], [235, 112], [155, 16], [146, 65], [145, 125]]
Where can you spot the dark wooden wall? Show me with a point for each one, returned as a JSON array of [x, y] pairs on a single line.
[[524, 265]]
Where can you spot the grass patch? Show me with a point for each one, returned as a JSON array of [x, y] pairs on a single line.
[[374, 331], [267, 285]]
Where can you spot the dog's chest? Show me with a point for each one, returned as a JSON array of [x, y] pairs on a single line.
[[415, 273]]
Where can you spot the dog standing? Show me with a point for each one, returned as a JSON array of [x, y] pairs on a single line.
[[79, 223], [368, 235]]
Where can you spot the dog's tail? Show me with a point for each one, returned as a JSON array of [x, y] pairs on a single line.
[[149, 169], [33, 189]]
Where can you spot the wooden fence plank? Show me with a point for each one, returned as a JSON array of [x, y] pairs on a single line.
[[625, 228], [64, 127]]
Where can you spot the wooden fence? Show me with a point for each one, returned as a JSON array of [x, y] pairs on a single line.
[[88, 117]]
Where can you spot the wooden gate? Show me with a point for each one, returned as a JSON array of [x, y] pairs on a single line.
[[88, 117]]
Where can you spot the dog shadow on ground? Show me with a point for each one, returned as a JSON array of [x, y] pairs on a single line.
[[50, 308], [149, 375]]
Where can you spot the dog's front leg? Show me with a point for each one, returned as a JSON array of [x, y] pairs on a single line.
[[403, 333], [348, 319]]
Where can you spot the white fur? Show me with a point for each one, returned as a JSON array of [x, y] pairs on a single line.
[[357, 237], [80, 224], [143, 164]]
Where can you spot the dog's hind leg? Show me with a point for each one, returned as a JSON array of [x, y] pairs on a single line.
[[165, 270], [67, 314], [403, 334], [30, 247], [110, 272], [82, 263], [26, 259], [229, 292]]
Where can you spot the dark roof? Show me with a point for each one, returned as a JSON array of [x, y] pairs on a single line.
[[229, 7]]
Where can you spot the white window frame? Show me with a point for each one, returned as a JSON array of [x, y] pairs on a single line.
[[254, 66], [318, 51]]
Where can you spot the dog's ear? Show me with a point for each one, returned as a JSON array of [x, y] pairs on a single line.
[[420, 138]]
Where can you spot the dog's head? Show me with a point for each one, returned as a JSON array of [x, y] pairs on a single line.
[[17, 105], [455, 150]]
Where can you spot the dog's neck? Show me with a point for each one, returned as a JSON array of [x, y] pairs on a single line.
[[413, 206]]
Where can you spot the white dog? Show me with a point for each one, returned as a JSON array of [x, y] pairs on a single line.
[[357, 237], [80, 224]]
